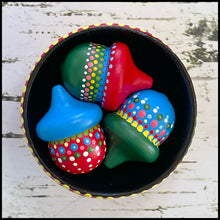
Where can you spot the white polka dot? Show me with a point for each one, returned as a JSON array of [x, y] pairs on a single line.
[[135, 96], [165, 120], [85, 154], [83, 86], [63, 166], [142, 101], [97, 147], [59, 160], [72, 158], [88, 159], [85, 72], [155, 110], [82, 91], [91, 169], [149, 116], [98, 154], [171, 126], [79, 169], [75, 164], [98, 161], [90, 165], [68, 170], [86, 67]]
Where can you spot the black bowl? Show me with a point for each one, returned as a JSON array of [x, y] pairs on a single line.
[[170, 77]]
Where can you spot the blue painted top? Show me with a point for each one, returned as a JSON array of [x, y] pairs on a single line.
[[150, 111], [67, 116]]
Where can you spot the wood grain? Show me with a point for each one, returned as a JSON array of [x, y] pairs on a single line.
[[190, 30]]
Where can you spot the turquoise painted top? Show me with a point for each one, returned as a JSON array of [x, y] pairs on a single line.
[[149, 111], [67, 116]]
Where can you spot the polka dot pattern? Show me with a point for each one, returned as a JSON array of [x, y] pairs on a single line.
[[109, 69], [94, 72], [151, 113], [79, 153]]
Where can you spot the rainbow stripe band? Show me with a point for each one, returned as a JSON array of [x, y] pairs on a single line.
[[94, 72], [63, 184]]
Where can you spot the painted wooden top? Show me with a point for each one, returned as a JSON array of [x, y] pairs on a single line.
[[190, 30]]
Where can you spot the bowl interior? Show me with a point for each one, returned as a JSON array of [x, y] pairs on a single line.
[[170, 78]]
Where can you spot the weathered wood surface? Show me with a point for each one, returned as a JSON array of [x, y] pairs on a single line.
[[190, 29]]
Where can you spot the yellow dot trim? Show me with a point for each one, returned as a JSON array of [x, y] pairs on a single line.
[[46, 50], [57, 181], [31, 150], [49, 174], [54, 43], [129, 120], [24, 89], [86, 27], [33, 68], [140, 128], [36, 159], [88, 195], [110, 197], [154, 186], [99, 197], [38, 60], [125, 116], [23, 130], [65, 36], [134, 124], [66, 186], [134, 194]]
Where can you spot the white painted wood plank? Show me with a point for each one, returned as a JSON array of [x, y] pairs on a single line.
[[30, 27]]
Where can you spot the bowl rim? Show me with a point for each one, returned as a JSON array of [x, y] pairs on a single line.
[[25, 128]]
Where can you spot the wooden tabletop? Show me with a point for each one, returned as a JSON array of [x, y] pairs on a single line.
[[190, 30]]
